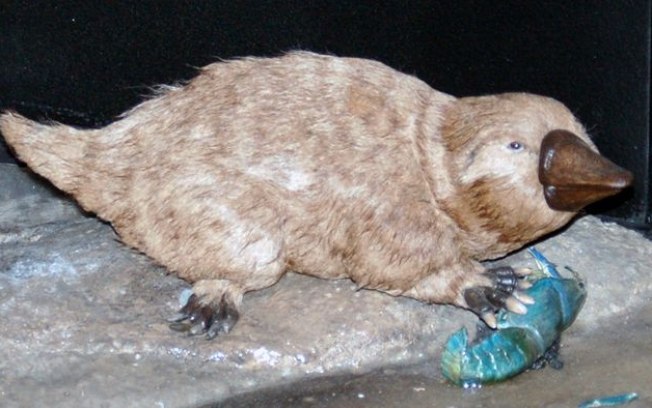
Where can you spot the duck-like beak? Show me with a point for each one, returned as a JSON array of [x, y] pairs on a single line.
[[573, 175]]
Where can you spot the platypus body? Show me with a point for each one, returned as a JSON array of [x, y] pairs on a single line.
[[331, 167]]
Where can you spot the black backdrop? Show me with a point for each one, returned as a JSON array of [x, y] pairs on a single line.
[[84, 62]]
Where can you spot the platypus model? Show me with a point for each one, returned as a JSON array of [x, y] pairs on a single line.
[[330, 167]]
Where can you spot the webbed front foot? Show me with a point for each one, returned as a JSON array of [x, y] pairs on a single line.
[[503, 292]]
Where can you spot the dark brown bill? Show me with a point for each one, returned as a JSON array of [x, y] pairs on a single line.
[[573, 175]]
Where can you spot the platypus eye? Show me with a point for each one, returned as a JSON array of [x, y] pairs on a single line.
[[516, 146]]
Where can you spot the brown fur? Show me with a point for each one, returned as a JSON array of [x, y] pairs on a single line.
[[332, 167]]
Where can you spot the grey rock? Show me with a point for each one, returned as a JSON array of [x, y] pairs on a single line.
[[82, 317]]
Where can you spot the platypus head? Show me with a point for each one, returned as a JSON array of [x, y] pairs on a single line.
[[522, 166]]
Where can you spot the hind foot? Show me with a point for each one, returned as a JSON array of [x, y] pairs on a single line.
[[503, 292], [213, 313]]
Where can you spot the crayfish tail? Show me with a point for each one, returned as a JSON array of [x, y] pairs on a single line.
[[451, 359]]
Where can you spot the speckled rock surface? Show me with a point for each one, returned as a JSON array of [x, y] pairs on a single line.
[[82, 317]]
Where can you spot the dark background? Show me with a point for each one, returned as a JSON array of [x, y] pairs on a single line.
[[84, 62]]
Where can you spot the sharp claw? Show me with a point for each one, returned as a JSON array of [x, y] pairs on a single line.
[[513, 305], [179, 326], [523, 271], [212, 332], [195, 318], [198, 328], [524, 285], [523, 298], [216, 329], [178, 317], [490, 319]]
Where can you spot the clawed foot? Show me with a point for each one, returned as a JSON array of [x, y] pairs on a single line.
[[197, 318], [504, 292]]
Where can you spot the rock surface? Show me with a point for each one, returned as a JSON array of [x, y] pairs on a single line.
[[82, 317]]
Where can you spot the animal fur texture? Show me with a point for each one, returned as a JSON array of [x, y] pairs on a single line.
[[331, 167]]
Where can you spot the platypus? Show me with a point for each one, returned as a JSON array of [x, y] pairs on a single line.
[[331, 167]]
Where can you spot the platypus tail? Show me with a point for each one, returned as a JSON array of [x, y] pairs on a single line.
[[54, 151], [57, 152]]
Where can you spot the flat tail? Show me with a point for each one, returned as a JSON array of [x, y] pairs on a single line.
[[451, 358], [54, 151]]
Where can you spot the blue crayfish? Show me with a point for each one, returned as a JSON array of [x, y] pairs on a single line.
[[519, 340]]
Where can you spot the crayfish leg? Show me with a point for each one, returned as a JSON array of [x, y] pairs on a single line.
[[550, 357]]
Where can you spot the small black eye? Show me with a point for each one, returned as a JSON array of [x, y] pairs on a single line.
[[515, 146]]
